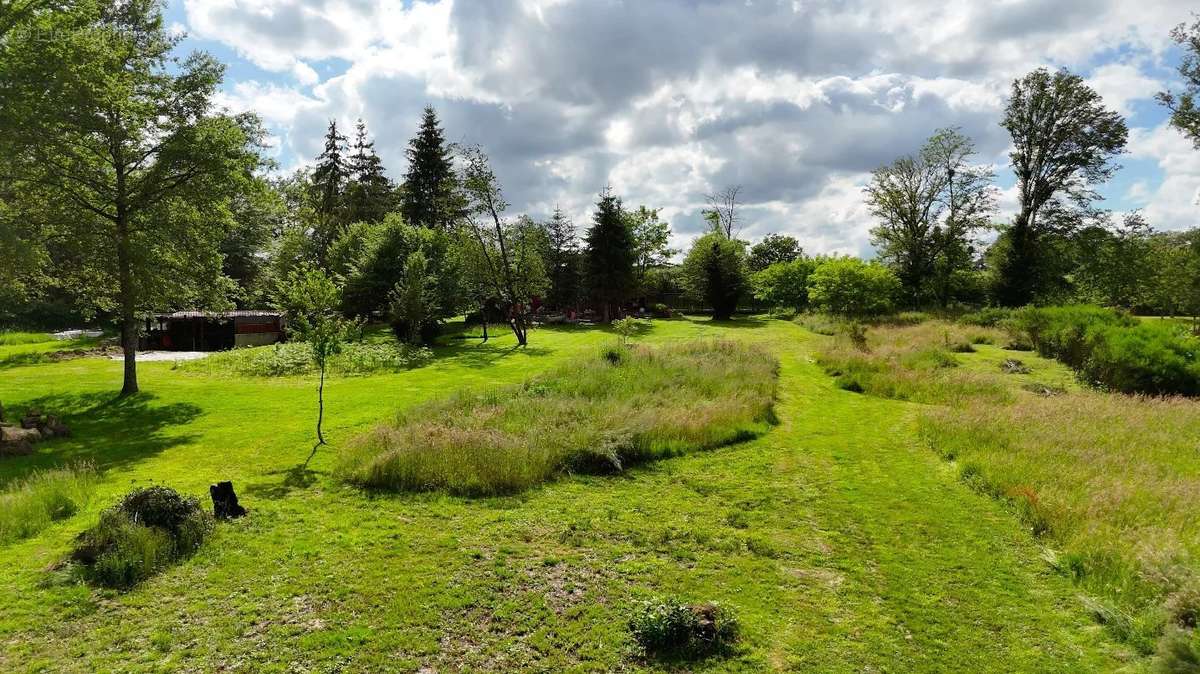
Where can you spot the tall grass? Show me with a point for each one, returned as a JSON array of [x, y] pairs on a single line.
[[1110, 482], [32, 504], [14, 338], [295, 358], [595, 414]]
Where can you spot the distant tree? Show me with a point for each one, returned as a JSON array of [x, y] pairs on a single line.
[[256, 214], [124, 143], [651, 241], [1063, 142], [722, 212], [507, 258], [414, 299], [309, 298], [847, 286], [1116, 267], [428, 199], [1176, 262], [928, 206], [610, 256], [715, 272], [563, 262], [784, 284], [329, 179], [772, 249], [368, 192], [1185, 114]]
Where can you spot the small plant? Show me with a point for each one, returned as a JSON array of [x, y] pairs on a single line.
[[1014, 366], [661, 310], [148, 530], [626, 328], [856, 332], [671, 628]]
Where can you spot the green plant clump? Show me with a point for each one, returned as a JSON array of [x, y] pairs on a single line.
[[148, 530], [295, 358], [671, 628], [33, 503]]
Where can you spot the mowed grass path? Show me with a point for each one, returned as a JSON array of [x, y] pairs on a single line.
[[841, 543]]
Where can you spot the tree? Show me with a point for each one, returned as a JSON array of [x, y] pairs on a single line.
[[124, 143], [714, 271], [414, 299], [847, 286], [721, 214], [651, 241], [1116, 267], [309, 299], [507, 258], [784, 284], [1185, 115], [1063, 142], [772, 249], [369, 192], [610, 255], [256, 214], [428, 199], [562, 261], [929, 205], [328, 186]]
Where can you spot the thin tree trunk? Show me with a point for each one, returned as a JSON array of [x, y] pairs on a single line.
[[321, 406], [129, 327]]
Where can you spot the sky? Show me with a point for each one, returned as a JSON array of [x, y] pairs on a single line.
[[667, 101]]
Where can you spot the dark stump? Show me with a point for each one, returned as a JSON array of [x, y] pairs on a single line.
[[225, 502]]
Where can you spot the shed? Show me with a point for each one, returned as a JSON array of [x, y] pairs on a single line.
[[212, 330]]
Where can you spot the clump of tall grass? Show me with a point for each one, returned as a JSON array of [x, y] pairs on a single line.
[[911, 362], [295, 358], [35, 502], [148, 530], [595, 414]]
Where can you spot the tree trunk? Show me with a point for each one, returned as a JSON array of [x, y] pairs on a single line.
[[321, 406], [129, 327]]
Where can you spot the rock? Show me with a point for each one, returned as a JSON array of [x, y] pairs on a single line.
[[18, 441], [225, 501], [1, 413], [30, 421], [56, 427]]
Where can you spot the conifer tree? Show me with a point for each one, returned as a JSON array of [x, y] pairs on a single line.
[[610, 256], [369, 190], [328, 191], [429, 183], [562, 260]]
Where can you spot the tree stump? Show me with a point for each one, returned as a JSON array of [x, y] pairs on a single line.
[[225, 501]]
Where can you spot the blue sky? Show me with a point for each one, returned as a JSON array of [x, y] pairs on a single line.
[[668, 100]]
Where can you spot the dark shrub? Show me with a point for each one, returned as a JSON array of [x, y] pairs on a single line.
[[661, 310], [674, 629], [149, 529], [988, 317]]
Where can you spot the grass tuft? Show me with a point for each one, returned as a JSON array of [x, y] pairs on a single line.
[[598, 414], [35, 502]]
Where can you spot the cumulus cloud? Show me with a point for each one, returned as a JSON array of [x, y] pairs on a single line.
[[667, 100]]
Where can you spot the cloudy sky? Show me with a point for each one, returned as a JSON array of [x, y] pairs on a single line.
[[667, 100]]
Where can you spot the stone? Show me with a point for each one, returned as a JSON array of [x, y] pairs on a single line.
[[18, 441], [225, 501]]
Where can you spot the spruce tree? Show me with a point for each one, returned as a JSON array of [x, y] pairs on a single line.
[[429, 183], [328, 191], [562, 260], [369, 190], [610, 256]]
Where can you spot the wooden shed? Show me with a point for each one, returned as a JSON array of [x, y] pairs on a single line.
[[212, 330]]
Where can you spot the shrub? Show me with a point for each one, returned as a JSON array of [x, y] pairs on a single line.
[[784, 285], [661, 310], [32, 504], [988, 317], [847, 286], [622, 406], [668, 627], [149, 529]]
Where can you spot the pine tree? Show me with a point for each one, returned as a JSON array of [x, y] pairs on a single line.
[[328, 191], [610, 255], [562, 260], [369, 191], [429, 183]]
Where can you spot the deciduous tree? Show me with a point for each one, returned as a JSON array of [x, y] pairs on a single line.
[[1185, 114], [772, 249]]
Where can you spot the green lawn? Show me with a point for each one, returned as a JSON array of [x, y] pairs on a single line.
[[840, 541]]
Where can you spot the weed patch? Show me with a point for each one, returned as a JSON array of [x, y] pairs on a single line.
[[35, 502]]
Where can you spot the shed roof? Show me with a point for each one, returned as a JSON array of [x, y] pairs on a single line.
[[241, 313]]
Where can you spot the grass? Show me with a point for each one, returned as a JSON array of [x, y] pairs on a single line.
[[598, 413], [295, 358], [1110, 482], [33, 503], [12, 338], [31, 348], [837, 539]]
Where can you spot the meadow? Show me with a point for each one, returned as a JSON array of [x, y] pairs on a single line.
[[837, 537]]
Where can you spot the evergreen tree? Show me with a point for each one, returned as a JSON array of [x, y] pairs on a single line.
[[328, 189], [369, 191], [562, 260], [429, 183], [610, 256]]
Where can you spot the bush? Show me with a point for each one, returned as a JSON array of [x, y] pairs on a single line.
[[1113, 350], [671, 628], [149, 529], [847, 286], [988, 317], [32, 504], [784, 285], [601, 413], [660, 310]]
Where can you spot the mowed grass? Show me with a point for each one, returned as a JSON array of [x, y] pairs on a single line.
[[11, 338], [1110, 482], [598, 413], [838, 540]]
